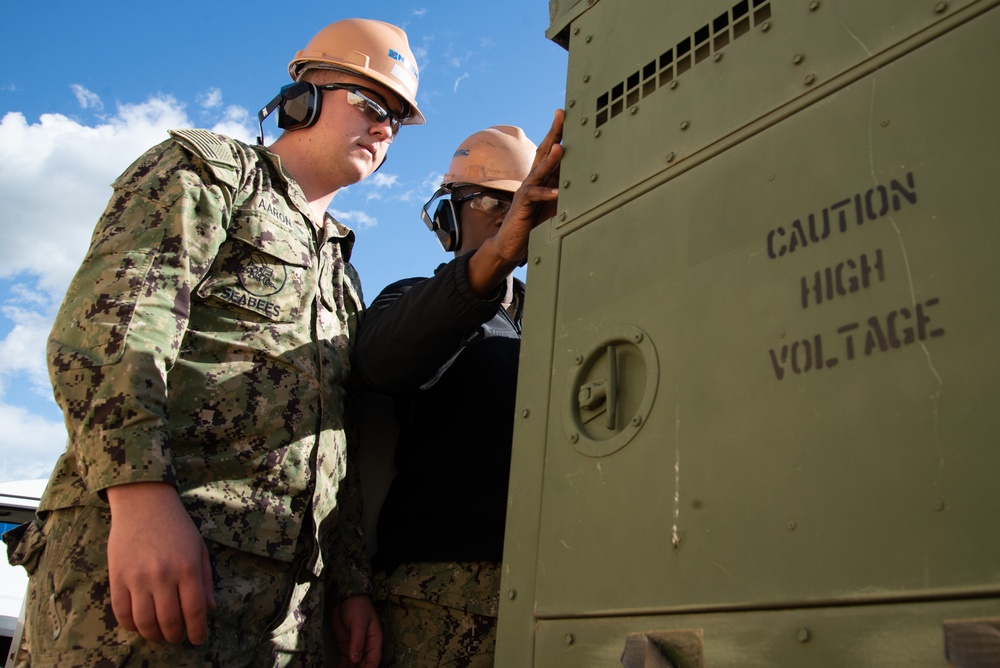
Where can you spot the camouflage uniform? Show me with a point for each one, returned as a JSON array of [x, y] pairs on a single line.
[[439, 614], [204, 342]]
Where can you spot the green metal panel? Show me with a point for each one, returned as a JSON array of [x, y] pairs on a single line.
[[793, 318], [664, 108], [901, 635]]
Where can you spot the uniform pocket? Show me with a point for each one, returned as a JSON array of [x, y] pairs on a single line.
[[99, 307], [262, 269], [25, 544]]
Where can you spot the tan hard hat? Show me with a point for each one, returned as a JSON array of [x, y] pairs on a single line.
[[369, 48], [498, 158]]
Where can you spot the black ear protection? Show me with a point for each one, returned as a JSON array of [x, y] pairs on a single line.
[[445, 225], [298, 106], [444, 221]]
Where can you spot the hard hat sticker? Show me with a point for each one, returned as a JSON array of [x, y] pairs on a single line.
[[404, 78], [400, 58]]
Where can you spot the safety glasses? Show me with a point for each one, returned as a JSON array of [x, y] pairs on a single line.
[[492, 204], [374, 111]]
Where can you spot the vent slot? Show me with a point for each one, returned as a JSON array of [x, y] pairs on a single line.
[[681, 57]]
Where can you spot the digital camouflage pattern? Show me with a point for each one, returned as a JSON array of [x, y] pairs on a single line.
[[439, 614], [207, 263], [71, 623], [205, 342]]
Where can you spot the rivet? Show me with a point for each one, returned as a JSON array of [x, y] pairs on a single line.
[[571, 104], [637, 337], [593, 178], [781, 335], [797, 59], [597, 133], [574, 437], [770, 177], [576, 31], [814, 5], [578, 359], [940, 7], [586, 78], [512, 594], [765, 26], [670, 156], [588, 39], [633, 109], [803, 634], [525, 413], [673, 84], [717, 57], [569, 639], [583, 121], [885, 123], [810, 78], [685, 125], [566, 183], [636, 421], [792, 525], [562, 216], [939, 505], [537, 260]]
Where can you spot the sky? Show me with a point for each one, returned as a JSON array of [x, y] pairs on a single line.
[[86, 87]]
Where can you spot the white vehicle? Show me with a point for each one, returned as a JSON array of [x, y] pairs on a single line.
[[18, 501]]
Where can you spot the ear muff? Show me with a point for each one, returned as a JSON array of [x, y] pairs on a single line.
[[298, 106], [446, 225]]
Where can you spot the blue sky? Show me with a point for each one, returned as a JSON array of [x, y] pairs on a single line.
[[86, 87]]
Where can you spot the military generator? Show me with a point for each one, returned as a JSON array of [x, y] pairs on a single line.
[[758, 408]]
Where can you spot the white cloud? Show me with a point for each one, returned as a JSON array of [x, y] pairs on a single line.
[[431, 183], [210, 99], [459, 80], [29, 444], [86, 98], [419, 13], [20, 351], [55, 177], [382, 180], [358, 219]]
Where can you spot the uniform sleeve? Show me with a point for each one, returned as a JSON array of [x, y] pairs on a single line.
[[123, 319], [415, 326]]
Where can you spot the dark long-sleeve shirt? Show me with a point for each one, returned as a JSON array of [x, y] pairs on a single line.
[[449, 360]]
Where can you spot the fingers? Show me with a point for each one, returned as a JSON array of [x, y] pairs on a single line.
[[206, 576], [164, 614], [194, 603], [373, 656], [356, 647], [548, 154], [121, 605], [553, 136]]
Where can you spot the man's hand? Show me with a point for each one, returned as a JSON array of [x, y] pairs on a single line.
[[358, 633], [161, 578], [534, 202]]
